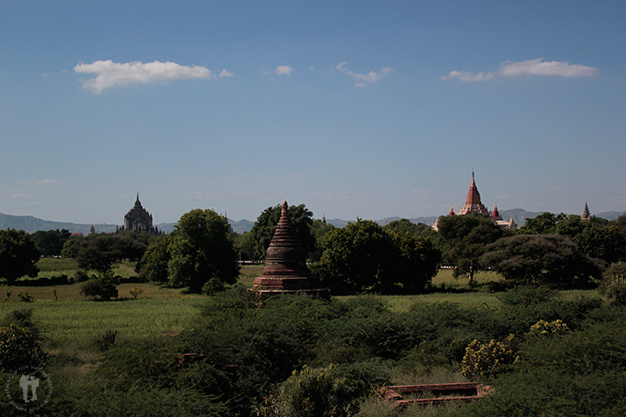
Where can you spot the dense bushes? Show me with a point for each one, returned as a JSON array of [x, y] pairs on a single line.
[[293, 355], [332, 391], [20, 342], [575, 374], [103, 287]]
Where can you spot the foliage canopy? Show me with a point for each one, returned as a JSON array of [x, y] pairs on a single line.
[[552, 260], [18, 255]]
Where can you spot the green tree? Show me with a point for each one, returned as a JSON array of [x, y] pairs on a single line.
[[263, 229], [50, 243], [245, 246], [418, 261], [620, 224], [154, 263], [402, 225], [18, 255], [359, 257], [594, 238], [552, 260], [466, 237], [98, 252], [319, 229], [545, 223], [200, 249], [103, 287]]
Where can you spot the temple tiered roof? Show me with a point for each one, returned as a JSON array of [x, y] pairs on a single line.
[[472, 202]]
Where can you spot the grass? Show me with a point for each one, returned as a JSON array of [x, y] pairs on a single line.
[[73, 326], [73, 322]]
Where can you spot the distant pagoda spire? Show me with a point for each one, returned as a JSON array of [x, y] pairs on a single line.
[[472, 202], [285, 263], [451, 210], [585, 216], [496, 213]]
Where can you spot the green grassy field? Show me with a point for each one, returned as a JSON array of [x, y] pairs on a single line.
[[71, 322]]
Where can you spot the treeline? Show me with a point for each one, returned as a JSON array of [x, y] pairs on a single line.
[[201, 254]]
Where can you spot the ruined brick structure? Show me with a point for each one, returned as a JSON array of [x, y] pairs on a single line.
[[285, 269]]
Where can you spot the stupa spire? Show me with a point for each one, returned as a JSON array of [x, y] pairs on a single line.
[[585, 216], [285, 262]]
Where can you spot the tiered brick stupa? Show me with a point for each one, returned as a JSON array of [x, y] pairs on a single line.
[[285, 263]]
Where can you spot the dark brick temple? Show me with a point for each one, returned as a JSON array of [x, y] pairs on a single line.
[[285, 263]]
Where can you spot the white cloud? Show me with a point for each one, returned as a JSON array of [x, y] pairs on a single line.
[[468, 77], [21, 195], [529, 67], [539, 67], [44, 181], [110, 74], [362, 79], [284, 70], [225, 73]]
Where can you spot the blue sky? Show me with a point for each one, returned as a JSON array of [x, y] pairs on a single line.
[[367, 108]]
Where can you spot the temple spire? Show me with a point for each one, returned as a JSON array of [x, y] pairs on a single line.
[[585, 216], [472, 202], [285, 263]]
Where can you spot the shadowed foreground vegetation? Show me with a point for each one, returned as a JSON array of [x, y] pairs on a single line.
[[294, 356]]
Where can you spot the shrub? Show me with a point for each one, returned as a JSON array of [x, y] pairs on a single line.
[[580, 373], [80, 276], [212, 286], [615, 293], [23, 318], [104, 342], [136, 292], [613, 287], [25, 297], [20, 347], [330, 391], [544, 328], [524, 296], [487, 361], [103, 287]]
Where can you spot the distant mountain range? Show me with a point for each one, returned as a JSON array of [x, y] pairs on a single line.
[[32, 224]]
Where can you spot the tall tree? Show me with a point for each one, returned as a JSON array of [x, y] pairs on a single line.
[[200, 250], [597, 237], [263, 229], [50, 243], [18, 255], [319, 229], [418, 261], [542, 224], [620, 224], [466, 237], [359, 257], [154, 263], [552, 260], [98, 252]]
